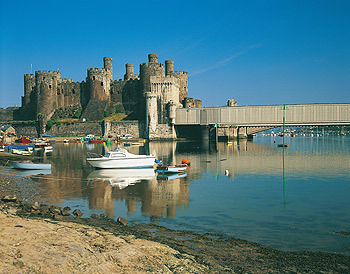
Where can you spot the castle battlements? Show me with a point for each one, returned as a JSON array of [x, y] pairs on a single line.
[[91, 70], [47, 73], [180, 72]]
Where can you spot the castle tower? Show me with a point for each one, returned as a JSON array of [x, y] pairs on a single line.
[[29, 85], [151, 114], [98, 83], [129, 71], [169, 67], [108, 65], [152, 58], [46, 89]]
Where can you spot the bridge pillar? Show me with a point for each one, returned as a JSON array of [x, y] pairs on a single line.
[[205, 133], [242, 133]]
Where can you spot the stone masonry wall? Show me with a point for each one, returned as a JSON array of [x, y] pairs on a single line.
[[115, 128], [26, 130], [76, 129]]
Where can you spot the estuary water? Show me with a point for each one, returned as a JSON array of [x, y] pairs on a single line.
[[240, 190]]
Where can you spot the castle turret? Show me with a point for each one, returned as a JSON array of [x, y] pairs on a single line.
[[153, 58], [151, 114], [108, 65], [98, 83], [129, 71], [169, 67], [29, 85]]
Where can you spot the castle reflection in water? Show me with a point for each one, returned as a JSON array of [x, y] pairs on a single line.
[[73, 179]]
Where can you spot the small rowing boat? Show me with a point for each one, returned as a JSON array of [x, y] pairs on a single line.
[[172, 169], [29, 165]]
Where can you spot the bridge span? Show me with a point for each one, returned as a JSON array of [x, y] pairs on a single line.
[[240, 121]]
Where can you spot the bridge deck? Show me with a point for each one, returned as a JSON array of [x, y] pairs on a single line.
[[266, 115]]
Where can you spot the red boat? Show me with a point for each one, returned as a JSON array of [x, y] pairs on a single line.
[[96, 141], [23, 140]]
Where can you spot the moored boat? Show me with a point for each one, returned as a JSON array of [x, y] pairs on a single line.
[[29, 165], [21, 151], [172, 169], [121, 158], [96, 141]]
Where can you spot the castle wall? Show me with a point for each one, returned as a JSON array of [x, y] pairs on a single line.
[[115, 128], [76, 129], [126, 95]]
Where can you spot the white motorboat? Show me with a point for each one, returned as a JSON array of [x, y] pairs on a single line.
[[122, 178], [29, 165], [121, 158]]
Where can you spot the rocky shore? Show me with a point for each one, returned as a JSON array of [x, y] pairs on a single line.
[[39, 238]]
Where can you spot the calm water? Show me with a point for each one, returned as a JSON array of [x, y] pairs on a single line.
[[306, 211]]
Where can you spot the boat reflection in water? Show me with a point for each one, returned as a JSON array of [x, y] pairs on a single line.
[[170, 176], [121, 178], [35, 172]]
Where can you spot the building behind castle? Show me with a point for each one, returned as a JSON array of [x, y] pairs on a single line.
[[151, 97]]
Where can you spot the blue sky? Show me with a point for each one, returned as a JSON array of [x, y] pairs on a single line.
[[257, 52]]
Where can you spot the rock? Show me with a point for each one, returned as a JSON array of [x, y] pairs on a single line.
[[102, 216], [55, 209], [36, 205], [77, 213], [67, 208], [57, 217], [94, 216], [65, 213], [9, 198], [122, 221]]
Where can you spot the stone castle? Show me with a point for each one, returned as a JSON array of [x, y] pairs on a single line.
[[150, 97]]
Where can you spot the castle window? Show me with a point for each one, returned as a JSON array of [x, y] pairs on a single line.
[[73, 91], [101, 84], [93, 78], [184, 88]]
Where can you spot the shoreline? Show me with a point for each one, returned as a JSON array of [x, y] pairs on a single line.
[[188, 251]]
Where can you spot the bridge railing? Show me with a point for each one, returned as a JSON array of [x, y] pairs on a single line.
[[266, 115]]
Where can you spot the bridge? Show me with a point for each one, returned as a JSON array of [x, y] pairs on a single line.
[[241, 121]]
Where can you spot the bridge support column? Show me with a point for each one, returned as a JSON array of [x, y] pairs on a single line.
[[205, 133], [242, 133]]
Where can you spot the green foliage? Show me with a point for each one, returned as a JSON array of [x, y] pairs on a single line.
[[105, 114], [77, 114], [40, 116], [116, 109], [49, 124]]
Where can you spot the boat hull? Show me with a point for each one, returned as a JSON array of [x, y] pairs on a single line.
[[172, 169], [29, 165], [141, 162]]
